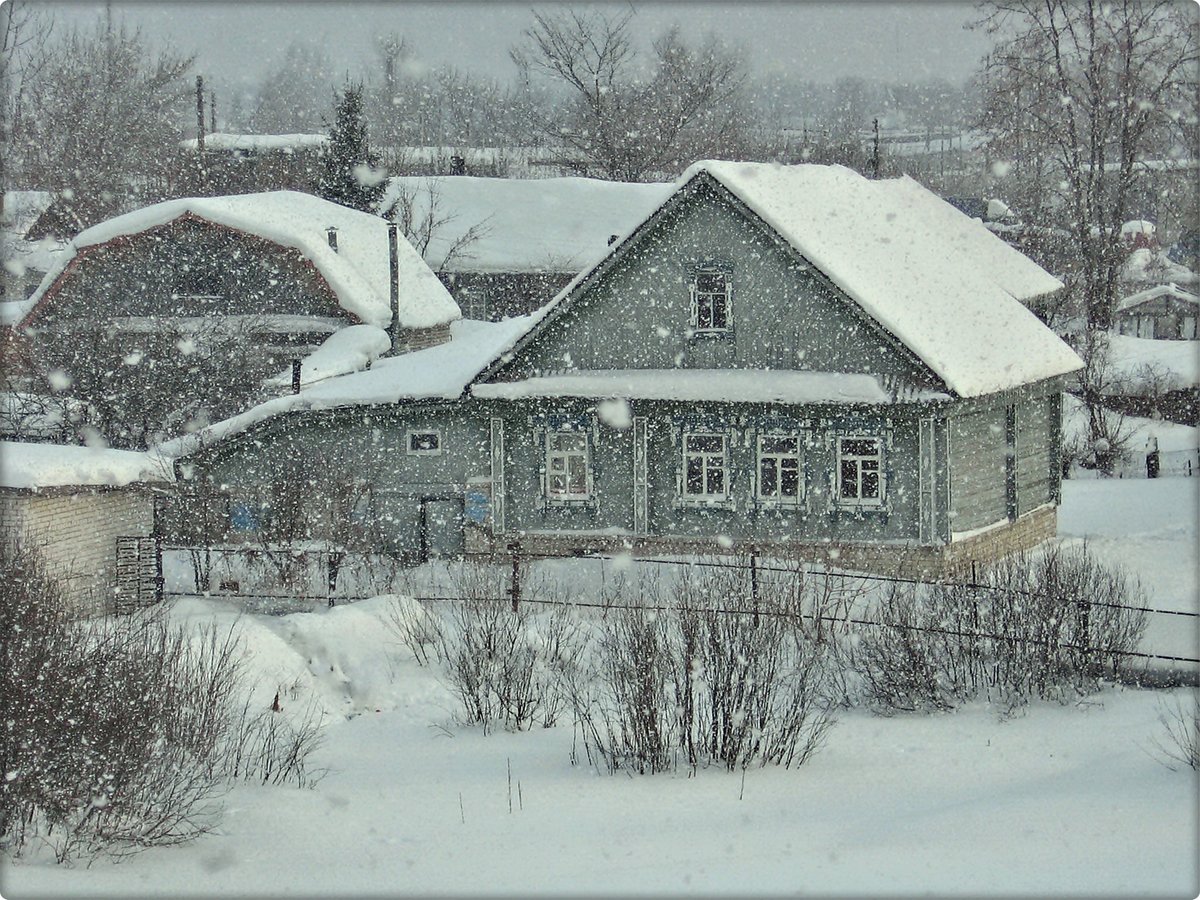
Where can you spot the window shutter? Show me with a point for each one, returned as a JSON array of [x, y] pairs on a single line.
[[693, 306], [729, 300]]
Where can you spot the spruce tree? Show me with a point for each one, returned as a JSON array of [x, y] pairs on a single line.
[[349, 170]]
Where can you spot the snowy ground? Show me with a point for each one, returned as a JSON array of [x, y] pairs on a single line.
[[1052, 800]]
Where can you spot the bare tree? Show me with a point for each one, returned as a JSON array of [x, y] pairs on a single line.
[[1109, 433], [418, 212], [99, 123], [25, 31], [625, 122], [294, 97], [1081, 94]]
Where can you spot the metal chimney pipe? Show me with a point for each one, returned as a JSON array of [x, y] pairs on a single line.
[[200, 113], [394, 260]]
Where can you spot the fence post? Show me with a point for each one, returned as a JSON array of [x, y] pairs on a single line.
[[515, 585]]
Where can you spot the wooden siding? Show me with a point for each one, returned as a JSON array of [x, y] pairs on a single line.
[[785, 315], [1034, 454], [977, 460]]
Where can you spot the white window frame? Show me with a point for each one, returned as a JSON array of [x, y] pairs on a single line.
[[553, 455], [413, 432], [858, 501], [726, 298], [706, 456], [779, 457]]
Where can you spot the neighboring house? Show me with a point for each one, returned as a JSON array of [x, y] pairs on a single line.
[[192, 303], [789, 358], [75, 505], [1163, 312], [504, 247], [244, 163]]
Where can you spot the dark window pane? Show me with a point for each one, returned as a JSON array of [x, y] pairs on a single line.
[[706, 443], [860, 447], [695, 475], [789, 482], [716, 479], [710, 282], [767, 479], [778, 445], [870, 485], [719, 314], [849, 479]]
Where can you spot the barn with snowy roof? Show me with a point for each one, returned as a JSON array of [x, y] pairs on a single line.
[[216, 294], [794, 359]]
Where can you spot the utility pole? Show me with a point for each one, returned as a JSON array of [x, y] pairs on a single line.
[[875, 151]]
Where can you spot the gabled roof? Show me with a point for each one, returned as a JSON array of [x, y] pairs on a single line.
[[524, 224], [941, 284], [358, 272], [1161, 290]]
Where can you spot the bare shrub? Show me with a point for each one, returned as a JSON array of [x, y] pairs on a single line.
[[416, 626], [728, 673], [269, 747], [1044, 626], [505, 665], [1179, 743], [118, 730]]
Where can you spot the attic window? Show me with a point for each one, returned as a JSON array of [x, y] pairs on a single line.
[[712, 306]]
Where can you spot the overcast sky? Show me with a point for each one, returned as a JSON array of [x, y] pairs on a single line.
[[240, 41]]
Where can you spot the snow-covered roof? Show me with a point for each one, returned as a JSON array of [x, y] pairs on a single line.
[[1132, 358], [1145, 264], [693, 385], [347, 350], [358, 272], [441, 372], [1160, 290], [524, 224], [36, 466], [257, 143], [940, 282]]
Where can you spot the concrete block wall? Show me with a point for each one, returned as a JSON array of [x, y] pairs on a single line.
[[77, 535]]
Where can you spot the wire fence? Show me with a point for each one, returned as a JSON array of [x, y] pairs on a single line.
[[752, 567]]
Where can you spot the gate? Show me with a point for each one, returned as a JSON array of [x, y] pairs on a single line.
[[139, 573]]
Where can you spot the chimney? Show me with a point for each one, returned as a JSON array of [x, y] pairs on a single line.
[[212, 111], [331, 235], [295, 376], [394, 260], [200, 113]]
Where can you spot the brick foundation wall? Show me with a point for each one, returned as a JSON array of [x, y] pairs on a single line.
[[933, 563], [77, 535], [411, 339]]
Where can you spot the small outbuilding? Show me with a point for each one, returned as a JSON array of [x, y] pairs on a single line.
[[90, 512], [1164, 312]]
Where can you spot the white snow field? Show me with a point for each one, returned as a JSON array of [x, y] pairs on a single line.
[[1048, 800]]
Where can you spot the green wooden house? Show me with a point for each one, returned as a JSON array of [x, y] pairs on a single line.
[[793, 359]]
